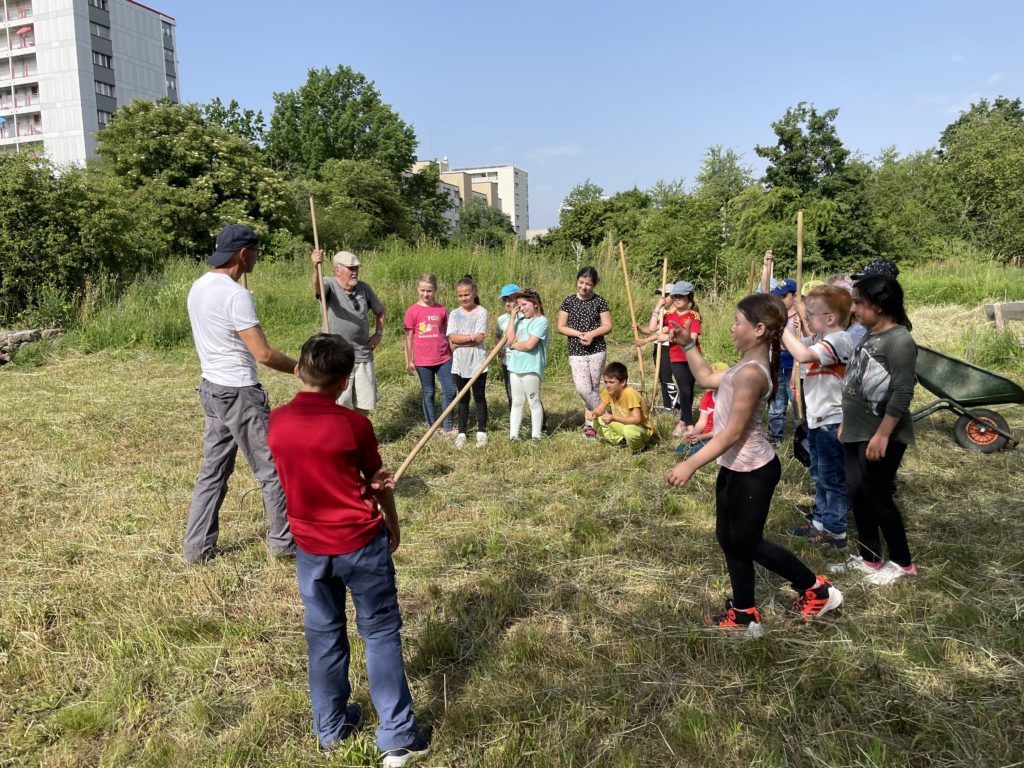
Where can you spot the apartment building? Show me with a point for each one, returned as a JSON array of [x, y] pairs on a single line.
[[66, 65], [512, 191], [501, 186]]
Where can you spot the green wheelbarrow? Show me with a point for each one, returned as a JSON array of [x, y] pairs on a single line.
[[961, 388]]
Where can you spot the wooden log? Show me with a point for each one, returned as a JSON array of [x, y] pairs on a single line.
[[1013, 310]]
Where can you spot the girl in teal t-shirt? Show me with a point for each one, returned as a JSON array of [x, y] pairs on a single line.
[[527, 339]]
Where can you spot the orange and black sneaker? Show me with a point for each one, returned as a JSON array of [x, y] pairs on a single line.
[[816, 601], [746, 620]]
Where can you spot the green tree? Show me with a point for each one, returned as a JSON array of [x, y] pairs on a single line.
[[338, 116], [983, 152], [808, 152], [59, 231], [722, 175], [580, 195], [244, 123], [198, 174], [480, 225], [664, 192], [913, 204], [358, 205], [428, 203]]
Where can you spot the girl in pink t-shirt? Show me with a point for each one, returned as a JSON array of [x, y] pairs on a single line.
[[748, 470], [427, 352]]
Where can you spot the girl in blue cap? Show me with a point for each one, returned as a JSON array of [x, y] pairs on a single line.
[[506, 293]]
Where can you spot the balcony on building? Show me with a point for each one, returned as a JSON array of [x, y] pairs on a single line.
[[20, 68], [18, 40], [16, 13], [21, 127]]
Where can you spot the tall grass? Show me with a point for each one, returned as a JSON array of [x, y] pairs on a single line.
[[552, 593]]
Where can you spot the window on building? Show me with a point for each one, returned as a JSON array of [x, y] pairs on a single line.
[[103, 117], [105, 89], [102, 60], [168, 32], [101, 4], [172, 84], [99, 30], [168, 55]]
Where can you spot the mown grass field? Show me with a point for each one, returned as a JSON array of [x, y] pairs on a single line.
[[552, 592]]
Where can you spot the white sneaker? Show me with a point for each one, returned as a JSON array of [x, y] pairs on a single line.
[[460, 440], [481, 439], [890, 573], [854, 563]]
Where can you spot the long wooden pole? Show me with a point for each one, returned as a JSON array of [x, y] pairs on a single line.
[[319, 268], [799, 297], [660, 347], [451, 406], [632, 313], [750, 280]]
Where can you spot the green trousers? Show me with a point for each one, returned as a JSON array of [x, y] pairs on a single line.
[[634, 436]]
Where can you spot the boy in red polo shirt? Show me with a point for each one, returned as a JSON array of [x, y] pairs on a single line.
[[341, 508]]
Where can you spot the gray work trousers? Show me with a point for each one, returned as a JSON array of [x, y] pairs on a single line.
[[236, 418]]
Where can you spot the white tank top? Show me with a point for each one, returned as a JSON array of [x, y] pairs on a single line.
[[752, 450]]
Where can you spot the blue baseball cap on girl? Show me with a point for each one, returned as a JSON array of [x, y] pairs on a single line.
[[682, 288], [507, 290]]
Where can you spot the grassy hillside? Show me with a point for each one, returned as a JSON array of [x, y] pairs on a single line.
[[552, 592]]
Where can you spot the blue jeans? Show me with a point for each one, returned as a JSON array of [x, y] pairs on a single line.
[[448, 391], [828, 471], [369, 574], [777, 407]]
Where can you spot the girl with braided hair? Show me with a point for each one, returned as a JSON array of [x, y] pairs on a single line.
[[748, 470]]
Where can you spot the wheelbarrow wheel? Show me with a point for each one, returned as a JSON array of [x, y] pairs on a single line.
[[977, 434]]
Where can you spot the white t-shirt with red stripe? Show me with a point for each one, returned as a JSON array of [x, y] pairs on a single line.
[[823, 383]]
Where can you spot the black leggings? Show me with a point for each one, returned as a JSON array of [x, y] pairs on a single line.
[[742, 500], [479, 393], [684, 383], [668, 394], [869, 484]]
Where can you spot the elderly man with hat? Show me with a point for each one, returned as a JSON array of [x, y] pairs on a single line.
[[230, 342], [349, 302]]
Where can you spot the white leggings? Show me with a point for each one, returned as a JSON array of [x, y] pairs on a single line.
[[525, 387]]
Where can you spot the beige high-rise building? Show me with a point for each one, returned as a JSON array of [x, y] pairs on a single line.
[[66, 65], [513, 191]]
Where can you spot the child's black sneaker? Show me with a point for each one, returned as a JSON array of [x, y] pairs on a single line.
[[396, 758], [747, 620], [826, 540], [816, 601], [804, 530]]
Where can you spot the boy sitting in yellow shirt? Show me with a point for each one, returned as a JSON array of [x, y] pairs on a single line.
[[622, 415]]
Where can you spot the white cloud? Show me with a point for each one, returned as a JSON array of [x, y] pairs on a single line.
[[555, 150], [957, 58], [995, 78]]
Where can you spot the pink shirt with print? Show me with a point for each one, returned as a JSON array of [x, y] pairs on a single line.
[[429, 326]]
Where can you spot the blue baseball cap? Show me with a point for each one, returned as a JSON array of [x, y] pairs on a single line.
[[682, 288], [508, 289], [786, 286], [230, 240]]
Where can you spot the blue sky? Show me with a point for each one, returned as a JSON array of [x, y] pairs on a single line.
[[621, 93]]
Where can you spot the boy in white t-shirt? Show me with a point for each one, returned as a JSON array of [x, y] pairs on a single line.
[[826, 354]]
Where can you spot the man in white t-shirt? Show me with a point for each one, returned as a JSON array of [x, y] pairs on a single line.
[[230, 342]]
